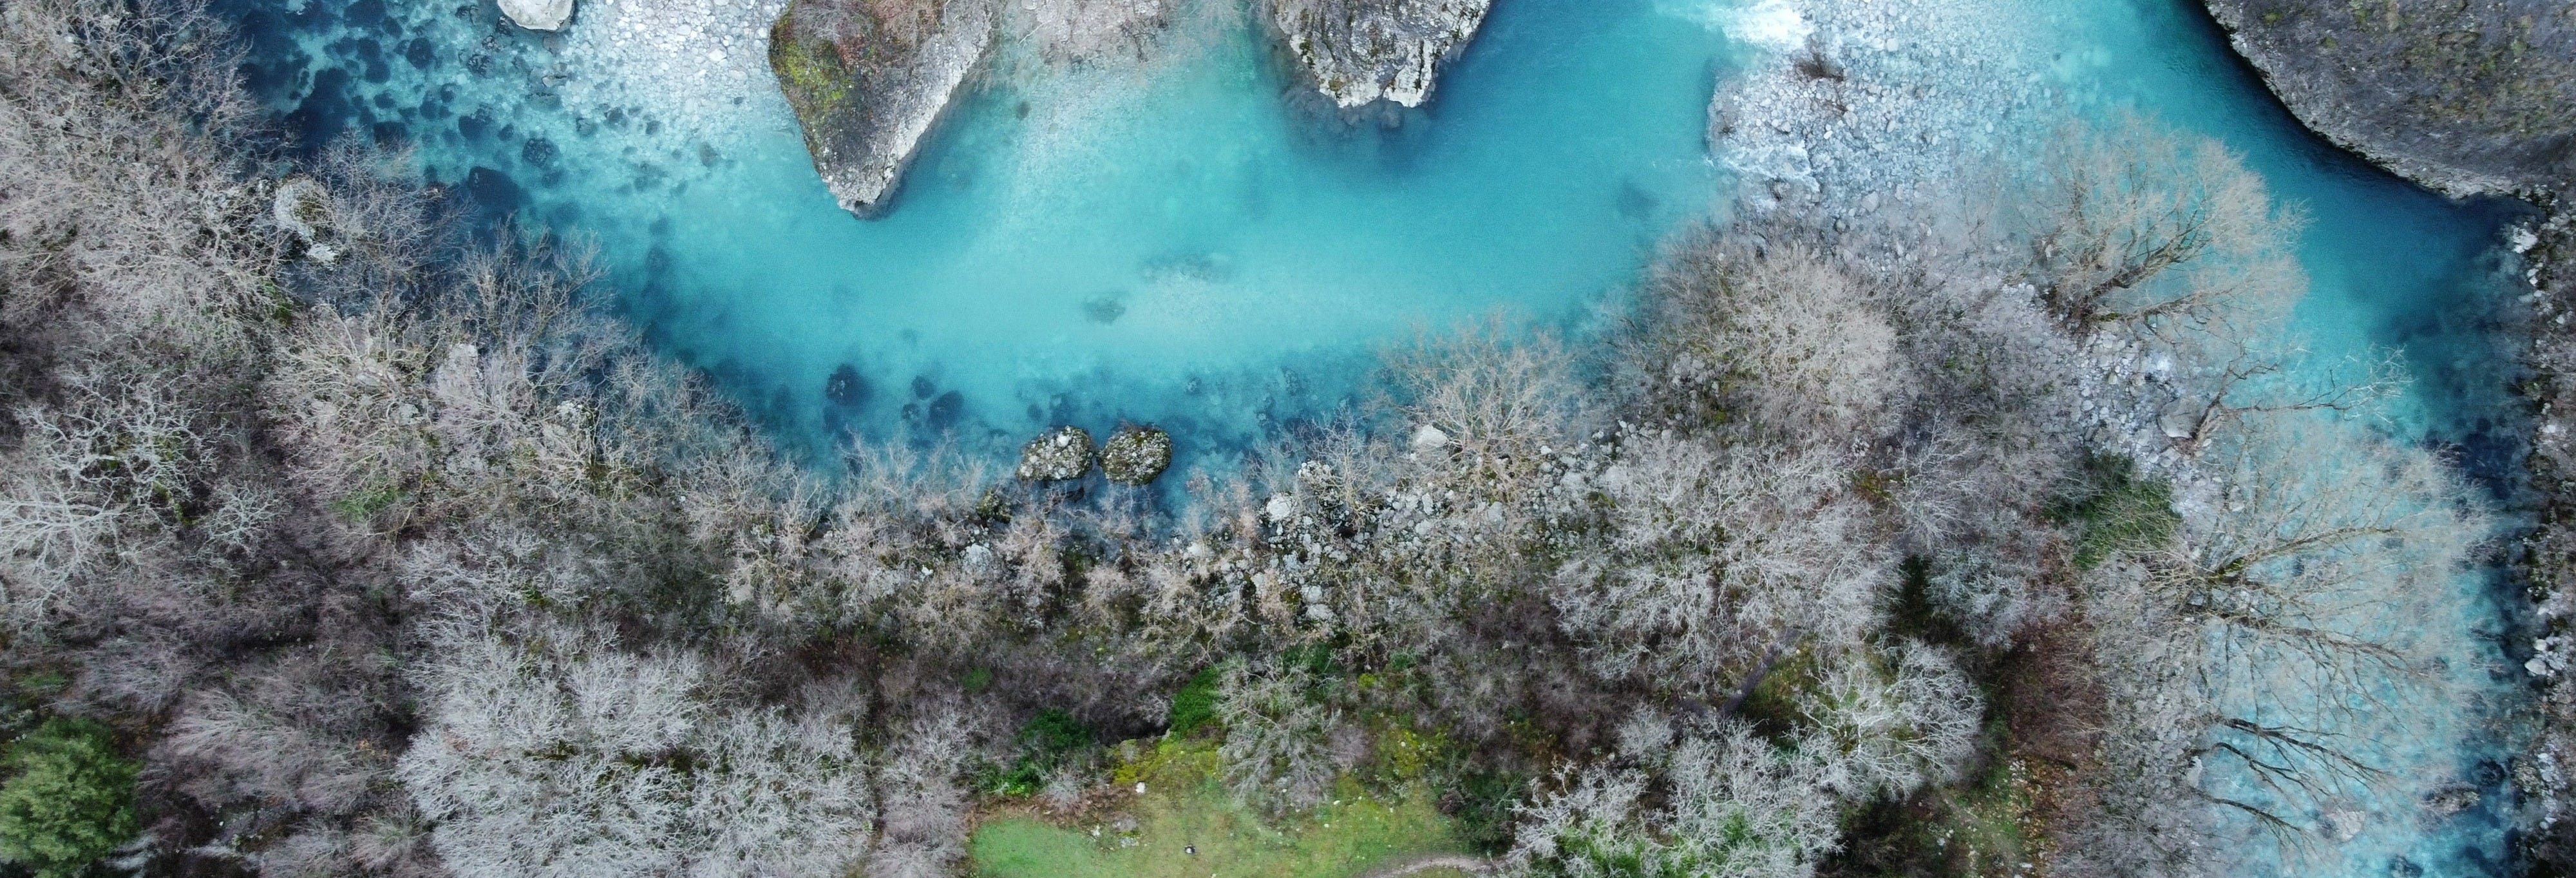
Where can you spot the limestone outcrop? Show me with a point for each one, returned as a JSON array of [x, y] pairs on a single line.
[[1362, 51], [2471, 97], [538, 14], [869, 78]]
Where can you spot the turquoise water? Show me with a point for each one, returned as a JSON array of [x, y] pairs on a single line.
[[1190, 245], [1186, 248]]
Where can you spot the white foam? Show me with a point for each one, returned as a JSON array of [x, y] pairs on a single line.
[[1770, 24]]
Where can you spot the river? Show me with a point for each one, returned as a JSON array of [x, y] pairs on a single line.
[[1182, 241]]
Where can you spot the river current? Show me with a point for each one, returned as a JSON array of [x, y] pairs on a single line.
[[1184, 241]]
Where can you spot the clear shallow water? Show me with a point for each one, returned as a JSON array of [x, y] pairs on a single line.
[[1182, 245]]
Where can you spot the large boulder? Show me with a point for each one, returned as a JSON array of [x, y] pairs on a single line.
[[868, 79], [1362, 51], [538, 14], [1136, 455], [2468, 97], [1062, 455]]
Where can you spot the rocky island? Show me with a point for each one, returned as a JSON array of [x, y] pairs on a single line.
[[868, 78], [1363, 51]]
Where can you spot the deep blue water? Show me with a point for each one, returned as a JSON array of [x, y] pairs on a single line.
[[1192, 245]]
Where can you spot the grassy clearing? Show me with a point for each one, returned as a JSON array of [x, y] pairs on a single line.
[[1186, 826]]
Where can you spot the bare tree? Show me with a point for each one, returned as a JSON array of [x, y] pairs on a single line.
[[1716, 561], [2257, 655], [2118, 211], [1775, 334]]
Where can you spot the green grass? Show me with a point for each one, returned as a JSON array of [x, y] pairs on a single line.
[[2126, 513], [1195, 705], [1184, 807]]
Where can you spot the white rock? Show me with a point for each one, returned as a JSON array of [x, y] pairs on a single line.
[[1430, 438], [538, 14]]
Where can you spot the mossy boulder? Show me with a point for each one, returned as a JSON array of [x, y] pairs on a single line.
[[1136, 455], [869, 78], [1062, 455]]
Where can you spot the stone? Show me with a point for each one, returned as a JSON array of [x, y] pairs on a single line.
[[1430, 438], [1136, 455], [544, 15], [1062, 455], [300, 206], [1359, 52], [2472, 97], [303, 208], [869, 78]]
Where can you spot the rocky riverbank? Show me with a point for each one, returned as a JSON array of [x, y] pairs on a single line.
[[2468, 98], [1359, 52]]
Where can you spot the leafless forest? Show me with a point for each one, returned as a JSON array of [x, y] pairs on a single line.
[[367, 550]]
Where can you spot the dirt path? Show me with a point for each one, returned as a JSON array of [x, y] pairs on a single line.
[[1469, 865]]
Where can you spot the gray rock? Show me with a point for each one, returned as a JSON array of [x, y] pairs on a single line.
[[1362, 51], [302, 207], [1062, 455], [2467, 97], [538, 14], [868, 79], [1136, 455]]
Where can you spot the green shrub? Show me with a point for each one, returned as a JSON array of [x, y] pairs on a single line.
[[68, 800], [1195, 704], [1049, 741]]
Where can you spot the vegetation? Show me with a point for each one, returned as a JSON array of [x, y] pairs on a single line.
[[68, 801], [400, 560], [1187, 824]]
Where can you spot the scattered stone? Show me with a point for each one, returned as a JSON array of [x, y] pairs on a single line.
[[1061, 455], [868, 78], [1430, 438], [1363, 51], [546, 15], [1136, 455]]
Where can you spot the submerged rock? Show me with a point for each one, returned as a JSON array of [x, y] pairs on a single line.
[[868, 78], [2472, 97], [1136, 455], [1062, 455], [1362, 51], [538, 14], [845, 387]]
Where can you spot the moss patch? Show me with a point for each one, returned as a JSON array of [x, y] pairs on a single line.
[[1187, 826], [809, 71]]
